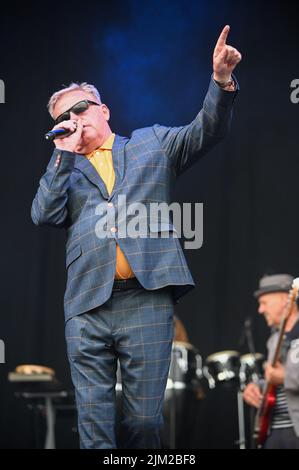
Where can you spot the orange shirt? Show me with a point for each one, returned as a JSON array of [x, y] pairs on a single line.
[[101, 159]]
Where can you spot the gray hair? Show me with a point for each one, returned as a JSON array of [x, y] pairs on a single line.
[[72, 87]]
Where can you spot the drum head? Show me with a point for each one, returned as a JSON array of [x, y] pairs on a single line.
[[222, 356]]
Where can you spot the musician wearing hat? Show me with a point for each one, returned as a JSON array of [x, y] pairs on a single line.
[[281, 376]]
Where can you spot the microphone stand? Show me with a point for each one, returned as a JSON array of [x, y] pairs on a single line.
[[252, 350], [247, 334]]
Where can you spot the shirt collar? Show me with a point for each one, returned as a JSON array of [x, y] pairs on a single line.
[[107, 145]]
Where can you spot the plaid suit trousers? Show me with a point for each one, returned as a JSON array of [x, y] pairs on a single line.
[[136, 327]]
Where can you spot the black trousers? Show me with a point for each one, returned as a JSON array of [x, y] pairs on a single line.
[[282, 439]]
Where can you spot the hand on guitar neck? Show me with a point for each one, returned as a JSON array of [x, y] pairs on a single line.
[[275, 375]]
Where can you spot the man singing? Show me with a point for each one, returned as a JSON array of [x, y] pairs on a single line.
[[121, 290]]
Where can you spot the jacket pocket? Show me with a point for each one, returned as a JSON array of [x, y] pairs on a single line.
[[73, 254]]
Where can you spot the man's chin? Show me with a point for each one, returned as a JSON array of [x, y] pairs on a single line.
[[86, 145], [81, 147], [268, 321]]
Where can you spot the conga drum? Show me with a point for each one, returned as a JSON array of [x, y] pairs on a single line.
[[251, 369], [222, 366]]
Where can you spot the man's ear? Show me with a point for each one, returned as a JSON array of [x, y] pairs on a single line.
[[105, 111]]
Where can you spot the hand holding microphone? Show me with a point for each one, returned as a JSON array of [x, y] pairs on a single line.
[[66, 135]]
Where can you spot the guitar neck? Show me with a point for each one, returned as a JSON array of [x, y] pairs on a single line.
[[268, 387], [279, 342]]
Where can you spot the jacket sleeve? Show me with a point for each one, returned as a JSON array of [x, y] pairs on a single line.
[[185, 145], [49, 206]]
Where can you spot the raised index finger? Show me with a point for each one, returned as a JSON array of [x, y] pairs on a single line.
[[223, 36]]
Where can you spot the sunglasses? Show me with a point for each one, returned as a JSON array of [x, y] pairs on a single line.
[[78, 108]]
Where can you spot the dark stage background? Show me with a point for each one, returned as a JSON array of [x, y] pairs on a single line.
[[152, 62]]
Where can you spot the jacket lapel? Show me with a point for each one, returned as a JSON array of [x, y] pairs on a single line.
[[83, 164], [118, 157]]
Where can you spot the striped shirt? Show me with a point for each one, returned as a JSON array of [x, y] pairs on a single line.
[[280, 417]]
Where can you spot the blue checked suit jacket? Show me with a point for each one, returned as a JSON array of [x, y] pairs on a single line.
[[146, 166]]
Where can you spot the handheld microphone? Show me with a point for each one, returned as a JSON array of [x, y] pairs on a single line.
[[56, 133]]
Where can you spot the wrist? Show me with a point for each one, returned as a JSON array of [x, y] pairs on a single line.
[[218, 77], [226, 84]]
